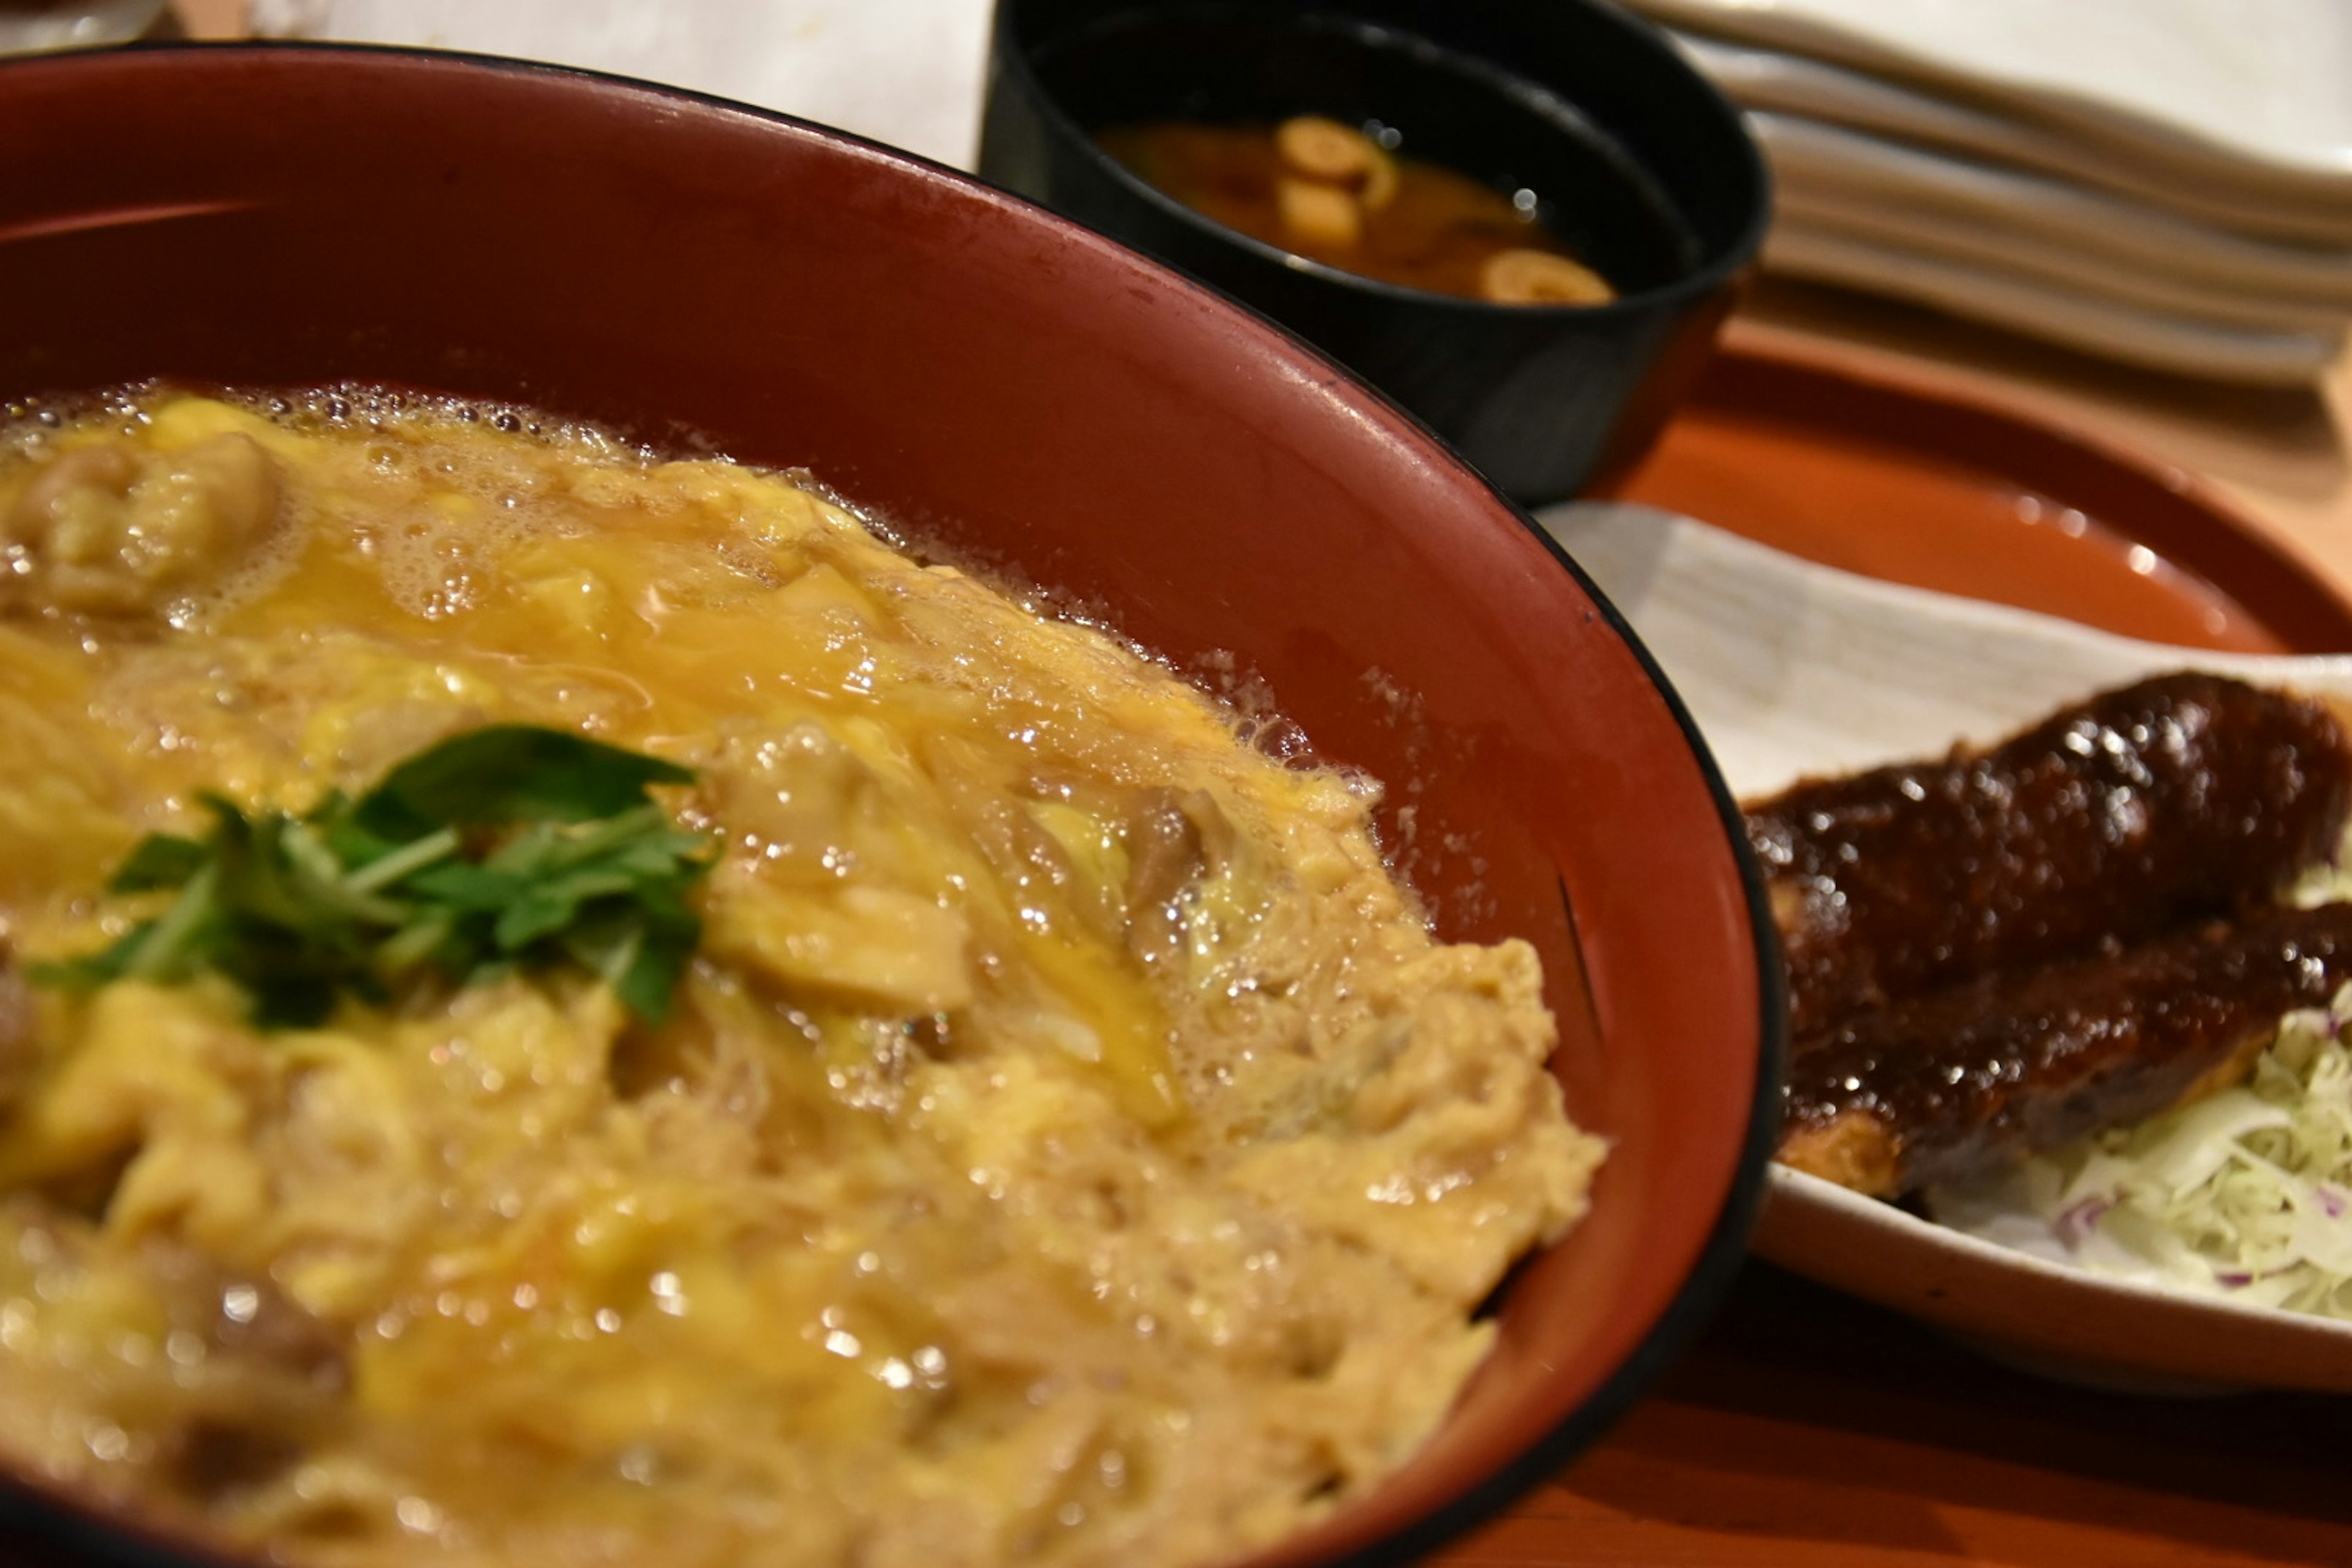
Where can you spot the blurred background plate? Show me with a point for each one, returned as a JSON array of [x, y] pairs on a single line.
[[2160, 183], [1828, 161], [1995, 247], [2000, 294], [903, 71], [2253, 90], [1776, 80]]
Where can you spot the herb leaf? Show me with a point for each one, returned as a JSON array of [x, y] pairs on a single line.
[[504, 849], [159, 860], [509, 774]]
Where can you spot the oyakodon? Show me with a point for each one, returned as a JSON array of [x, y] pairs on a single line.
[[1065, 1142]]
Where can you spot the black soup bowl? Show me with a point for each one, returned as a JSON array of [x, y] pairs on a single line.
[[1632, 158]]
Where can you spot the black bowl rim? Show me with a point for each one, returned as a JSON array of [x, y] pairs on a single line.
[[101, 1540], [1694, 285]]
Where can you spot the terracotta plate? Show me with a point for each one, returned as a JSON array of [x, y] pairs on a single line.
[[1937, 490]]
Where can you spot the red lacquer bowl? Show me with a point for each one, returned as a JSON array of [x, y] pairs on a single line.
[[1025, 392]]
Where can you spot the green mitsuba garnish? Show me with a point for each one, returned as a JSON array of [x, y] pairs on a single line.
[[512, 847]]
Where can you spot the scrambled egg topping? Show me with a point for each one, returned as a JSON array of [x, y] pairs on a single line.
[[1068, 1145]]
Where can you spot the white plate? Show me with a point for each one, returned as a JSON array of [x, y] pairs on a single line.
[[2011, 252], [2256, 92], [2042, 1317], [1771, 81], [1790, 668], [1850, 165], [2022, 304]]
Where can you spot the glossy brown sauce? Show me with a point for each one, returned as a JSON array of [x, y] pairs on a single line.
[[2184, 797], [1964, 1080], [1331, 194]]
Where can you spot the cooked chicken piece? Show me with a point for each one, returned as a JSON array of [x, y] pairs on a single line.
[[115, 529]]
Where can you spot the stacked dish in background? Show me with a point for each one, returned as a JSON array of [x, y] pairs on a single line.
[[2163, 183]]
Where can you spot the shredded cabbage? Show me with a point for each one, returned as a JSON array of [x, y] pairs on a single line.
[[2247, 1194]]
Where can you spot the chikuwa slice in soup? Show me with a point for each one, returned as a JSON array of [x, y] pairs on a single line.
[[567, 1008]]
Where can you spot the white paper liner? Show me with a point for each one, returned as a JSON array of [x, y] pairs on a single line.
[[1793, 668]]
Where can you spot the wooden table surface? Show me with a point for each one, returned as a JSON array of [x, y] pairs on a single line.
[[1804, 1427]]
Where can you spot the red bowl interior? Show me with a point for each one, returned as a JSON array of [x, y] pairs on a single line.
[[1018, 388]]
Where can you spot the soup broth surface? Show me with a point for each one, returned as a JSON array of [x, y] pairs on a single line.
[[1342, 195]]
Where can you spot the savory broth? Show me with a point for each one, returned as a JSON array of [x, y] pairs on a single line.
[[1343, 197]]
